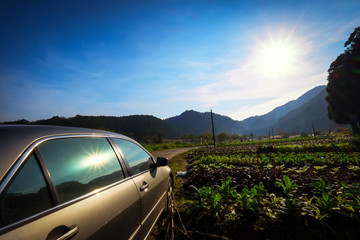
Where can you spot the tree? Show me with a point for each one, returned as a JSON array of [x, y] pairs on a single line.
[[251, 136], [158, 138], [244, 138], [188, 138], [235, 137], [282, 133], [344, 84], [223, 136], [207, 136], [303, 134]]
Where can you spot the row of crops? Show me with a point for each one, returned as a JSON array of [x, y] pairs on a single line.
[[288, 190], [289, 159]]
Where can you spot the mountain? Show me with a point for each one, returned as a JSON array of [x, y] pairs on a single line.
[[293, 117], [301, 119], [271, 118], [312, 112], [139, 127], [192, 122], [281, 111]]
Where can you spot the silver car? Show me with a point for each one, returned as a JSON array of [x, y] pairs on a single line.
[[77, 183]]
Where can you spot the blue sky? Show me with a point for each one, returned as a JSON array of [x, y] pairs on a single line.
[[119, 58]]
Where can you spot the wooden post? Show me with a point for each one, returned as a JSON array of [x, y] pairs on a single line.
[[313, 128], [212, 125]]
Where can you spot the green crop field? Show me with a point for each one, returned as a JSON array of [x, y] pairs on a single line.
[[291, 189]]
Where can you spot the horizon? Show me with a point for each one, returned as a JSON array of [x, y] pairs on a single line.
[[159, 58], [187, 110]]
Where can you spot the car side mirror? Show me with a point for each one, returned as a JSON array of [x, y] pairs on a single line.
[[160, 161]]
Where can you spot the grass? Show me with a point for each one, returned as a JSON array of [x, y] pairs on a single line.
[[171, 145], [178, 164]]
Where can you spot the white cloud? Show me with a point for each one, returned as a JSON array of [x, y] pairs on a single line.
[[249, 81]]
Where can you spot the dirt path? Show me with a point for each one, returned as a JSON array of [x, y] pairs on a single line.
[[170, 153]]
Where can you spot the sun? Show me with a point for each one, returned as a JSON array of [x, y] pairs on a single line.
[[276, 60], [277, 57], [96, 158]]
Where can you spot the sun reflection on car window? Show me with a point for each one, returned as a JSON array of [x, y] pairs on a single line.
[[96, 158], [80, 165]]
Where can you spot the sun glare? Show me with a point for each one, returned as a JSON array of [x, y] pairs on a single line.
[[276, 57], [96, 159]]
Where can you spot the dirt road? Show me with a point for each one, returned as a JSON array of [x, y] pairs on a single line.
[[170, 153]]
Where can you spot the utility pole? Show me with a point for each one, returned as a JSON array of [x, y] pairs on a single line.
[[212, 125], [313, 128]]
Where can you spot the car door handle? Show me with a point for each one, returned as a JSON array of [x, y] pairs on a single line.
[[144, 187], [71, 233]]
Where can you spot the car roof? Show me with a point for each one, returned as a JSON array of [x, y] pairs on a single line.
[[15, 139]]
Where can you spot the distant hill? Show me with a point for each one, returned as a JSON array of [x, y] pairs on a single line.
[[314, 111], [139, 127], [301, 119], [293, 117], [192, 122], [271, 118]]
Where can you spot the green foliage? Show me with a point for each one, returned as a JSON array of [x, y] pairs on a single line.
[[280, 185], [140, 127], [225, 203], [344, 84], [216, 199], [251, 198], [209, 200], [325, 202], [320, 186], [348, 198], [170, 145], [212, 166], [246, 196], [227, 191], [223, 137], [213, 200], [288, 159], [287, 185]]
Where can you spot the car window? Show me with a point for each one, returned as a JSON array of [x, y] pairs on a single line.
[[80, 165], [26, 195], [138, 159]]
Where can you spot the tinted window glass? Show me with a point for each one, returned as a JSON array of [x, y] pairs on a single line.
[[138, 159], [26, 195], [80, 165]]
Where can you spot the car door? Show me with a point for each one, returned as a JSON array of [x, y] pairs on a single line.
[[72, 187], [151, 182]]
